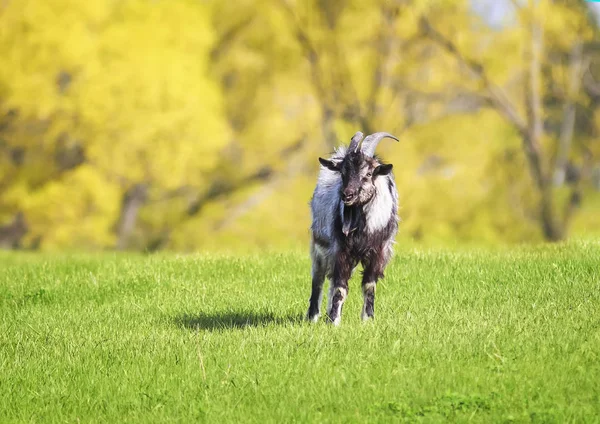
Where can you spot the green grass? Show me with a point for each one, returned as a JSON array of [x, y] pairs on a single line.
[[511, 336]]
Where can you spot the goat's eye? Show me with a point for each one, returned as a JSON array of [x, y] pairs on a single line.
[[369, 174]]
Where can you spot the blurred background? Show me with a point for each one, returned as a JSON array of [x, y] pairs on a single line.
[[196, 124]]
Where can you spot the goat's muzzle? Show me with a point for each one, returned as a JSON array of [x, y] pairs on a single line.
[[349, 196]]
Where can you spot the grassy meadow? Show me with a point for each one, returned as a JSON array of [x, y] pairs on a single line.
[[470, 335]]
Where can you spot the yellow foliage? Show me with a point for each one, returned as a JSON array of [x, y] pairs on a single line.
[[75, 210], [217, 111], [127, 82]]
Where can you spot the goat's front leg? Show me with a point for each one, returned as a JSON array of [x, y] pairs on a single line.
[[373, 271], [338, 290]]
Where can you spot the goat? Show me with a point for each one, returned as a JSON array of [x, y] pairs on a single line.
[[354, 219]]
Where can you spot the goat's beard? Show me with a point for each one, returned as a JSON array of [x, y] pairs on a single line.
[[352, 211], [350, 219]]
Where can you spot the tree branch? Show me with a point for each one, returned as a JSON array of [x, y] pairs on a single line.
[[12, 234], [309, 49], [384, 44], [133, 199], [534, 100], [516, 5], [533, 105], [228, 37], [497, 96], [218, 189], [568, 122], [293, 167], [590, 84], [530, 130], [311, 53]]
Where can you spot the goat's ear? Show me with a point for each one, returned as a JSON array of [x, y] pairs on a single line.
[[383, 170], [329, 165]]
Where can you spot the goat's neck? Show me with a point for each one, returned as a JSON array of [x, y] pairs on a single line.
[[380, 208], [375, 214]]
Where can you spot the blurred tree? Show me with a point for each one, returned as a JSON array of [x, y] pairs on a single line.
[[106, 107], [298, 77], [339, 66], [538, 94], [190, 124]]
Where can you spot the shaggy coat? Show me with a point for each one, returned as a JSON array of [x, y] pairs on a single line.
[[347, 233]]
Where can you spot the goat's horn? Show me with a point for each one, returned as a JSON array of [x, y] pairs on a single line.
[[370, 142], [355, 141]]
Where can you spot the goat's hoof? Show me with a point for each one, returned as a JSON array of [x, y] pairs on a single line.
[[335, 321], [367, 318], [312, 318]]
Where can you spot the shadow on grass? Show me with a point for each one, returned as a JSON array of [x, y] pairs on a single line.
[[234, 319]]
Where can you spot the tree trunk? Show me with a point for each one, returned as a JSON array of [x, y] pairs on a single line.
[[552, 229], [531, 129], [12, 234], [133, 199], [568, 120]]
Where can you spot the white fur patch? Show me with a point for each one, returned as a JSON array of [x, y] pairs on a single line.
[[379, 210], [363, 314], [344, 293], [316, 317], [320, 250], [368, 286]]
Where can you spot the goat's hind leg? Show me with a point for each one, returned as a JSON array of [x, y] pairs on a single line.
[[368, 310], [318, 278], [373, 271]]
